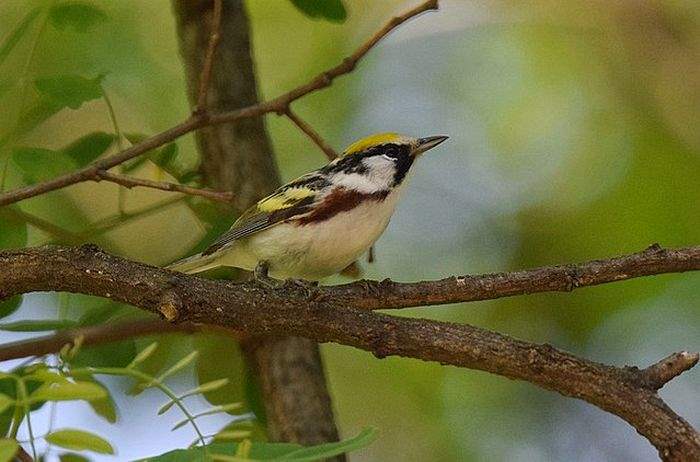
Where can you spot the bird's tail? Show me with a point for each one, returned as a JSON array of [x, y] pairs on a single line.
[[194, 264]]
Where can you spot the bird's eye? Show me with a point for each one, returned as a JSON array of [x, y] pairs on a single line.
[[391, 152]]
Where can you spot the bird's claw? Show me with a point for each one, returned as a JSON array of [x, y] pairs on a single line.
[[310, 288]]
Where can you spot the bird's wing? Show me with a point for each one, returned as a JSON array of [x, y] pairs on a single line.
[[292, 200]]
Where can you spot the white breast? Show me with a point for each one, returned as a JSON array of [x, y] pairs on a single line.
[[319, 249]]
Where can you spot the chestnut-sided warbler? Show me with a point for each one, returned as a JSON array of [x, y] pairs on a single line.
[[320, 223]]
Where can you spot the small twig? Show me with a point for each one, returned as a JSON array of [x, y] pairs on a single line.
[[311, 133], [198, 120], [205, 78], [130, 182], [660, 373]]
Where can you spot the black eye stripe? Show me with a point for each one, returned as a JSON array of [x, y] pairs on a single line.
[[353, 163]]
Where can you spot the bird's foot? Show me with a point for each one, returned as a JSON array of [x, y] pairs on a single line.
[[310, 288], [260, 274]]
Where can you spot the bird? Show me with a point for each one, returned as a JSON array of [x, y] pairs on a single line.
[[318, 224]]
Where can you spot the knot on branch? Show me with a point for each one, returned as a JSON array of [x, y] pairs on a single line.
[[573, 279], [170, 305]]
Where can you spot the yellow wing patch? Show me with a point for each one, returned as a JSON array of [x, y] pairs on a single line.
[[284, 200], [373, 140]]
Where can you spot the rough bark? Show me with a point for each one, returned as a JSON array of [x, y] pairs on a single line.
[[627, 392], [237, 157]]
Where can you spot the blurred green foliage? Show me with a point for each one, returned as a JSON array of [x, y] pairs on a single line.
[[574, 136]]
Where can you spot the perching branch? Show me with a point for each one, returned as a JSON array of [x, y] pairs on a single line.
[[200, 119], [373, 295], [331, 315], [130, 182]]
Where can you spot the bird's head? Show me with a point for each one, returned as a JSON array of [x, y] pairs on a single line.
[[379, 162]]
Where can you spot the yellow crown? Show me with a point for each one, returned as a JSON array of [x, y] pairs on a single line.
[[374, 140]]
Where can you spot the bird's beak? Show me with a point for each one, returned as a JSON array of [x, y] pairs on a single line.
[[428, 143]]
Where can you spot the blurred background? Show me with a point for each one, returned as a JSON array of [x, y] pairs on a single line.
[[573, 135]]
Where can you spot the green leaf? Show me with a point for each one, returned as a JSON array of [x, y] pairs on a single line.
[[115, 354], [5, 402], [68, 391], [38, 325], [165, 157], [70, 457], [38, 164], [88, 148], [269, 451], [8, 449], [14, 37], [104, 407], [13, 231], [207, 387], [46, 376], [35, 115], [79, 440], [10, 305], [80, 16], [8, 387], [178, 366], [215, 410], [323, 451], [331, 10], [210, 370], [143, 355], [70, 90]]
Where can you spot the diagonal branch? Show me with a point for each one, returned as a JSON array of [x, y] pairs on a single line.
[[201, 119], [214, 39], [311, 133], [130, 182], [627, 392]]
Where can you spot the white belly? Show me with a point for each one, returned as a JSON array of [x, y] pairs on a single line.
[[316, 250]]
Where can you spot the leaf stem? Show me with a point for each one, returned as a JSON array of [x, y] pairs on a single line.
[[151, 381], [22, 398]]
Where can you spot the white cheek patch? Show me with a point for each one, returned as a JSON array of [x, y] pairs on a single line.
[[357, 182], [381, 171]]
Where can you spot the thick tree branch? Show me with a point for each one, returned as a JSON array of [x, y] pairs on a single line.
[[627, 392], [130, 182], [201, 119]]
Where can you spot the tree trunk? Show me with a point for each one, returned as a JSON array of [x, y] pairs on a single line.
[[238, 157]]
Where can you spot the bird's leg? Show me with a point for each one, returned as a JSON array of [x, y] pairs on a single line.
[[260, 274]]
